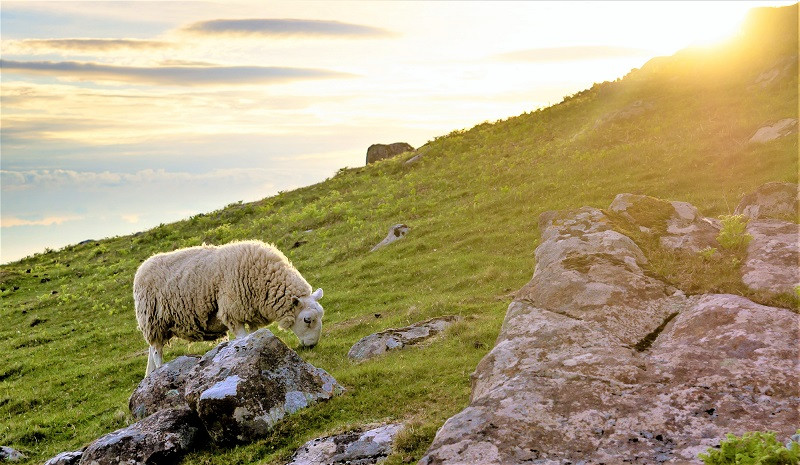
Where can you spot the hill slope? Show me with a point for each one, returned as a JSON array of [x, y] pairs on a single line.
[[678, 128]]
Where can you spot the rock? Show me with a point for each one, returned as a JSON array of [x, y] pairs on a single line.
[[778, 200], [391, 339], [396, 232], [377, 152], [773, 256], [86, 241], [679, 224], [598, 363], [774, 131], [161, 438], [163, 388], [355, 448], [66, 458], [242, 388], [8, 454]]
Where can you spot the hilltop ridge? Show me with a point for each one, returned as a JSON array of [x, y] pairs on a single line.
[[677, 129]]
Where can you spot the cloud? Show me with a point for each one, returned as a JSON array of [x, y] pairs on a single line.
[[83, 45], [576, 53], [21, 180], [13, 221], [283, 28], [168, 75]]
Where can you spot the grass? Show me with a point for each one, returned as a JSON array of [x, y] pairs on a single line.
[[73, 355]]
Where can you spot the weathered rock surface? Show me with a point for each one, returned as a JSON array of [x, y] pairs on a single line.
[[163, 388], [396, 232], [9, 454], [392, 339], [774, 131], [776, 200], [66, 458], [773, 256], [377, 152], [242, 388], [161, 438], [679, 225], [597, 362], [353, 448]]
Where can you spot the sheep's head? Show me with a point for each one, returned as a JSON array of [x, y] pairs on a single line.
[[307, 324]]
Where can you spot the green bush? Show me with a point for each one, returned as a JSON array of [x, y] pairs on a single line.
[[754, 448], [734, 232]]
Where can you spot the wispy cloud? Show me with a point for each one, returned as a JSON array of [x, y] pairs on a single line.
[[168, 75], [36, 46], [13, 221], [283, 28], [576, 53]]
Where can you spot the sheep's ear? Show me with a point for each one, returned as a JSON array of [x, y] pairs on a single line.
[[295, 301], [286, 322], [317, 294]]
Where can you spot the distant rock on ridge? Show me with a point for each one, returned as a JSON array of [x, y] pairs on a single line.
[[597, 362], [377, 152]]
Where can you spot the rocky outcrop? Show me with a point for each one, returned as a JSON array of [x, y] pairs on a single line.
[[393, 339], [597, 362], [396, 233], [678, 224], [9, 454], [353, 448], [242, 388], [377, 152], [163, 388], [66, 458], [775, 200], [161, 438], [774, 131]]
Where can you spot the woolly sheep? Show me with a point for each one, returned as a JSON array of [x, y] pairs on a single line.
[[199, 293]]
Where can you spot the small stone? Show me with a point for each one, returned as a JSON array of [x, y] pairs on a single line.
[[66, 458], [8, 454], [396, 232], [390, 339]]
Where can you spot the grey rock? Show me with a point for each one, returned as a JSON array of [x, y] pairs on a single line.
[[596, 361], [242, 388], [776, 200], [163, 388], [396, 232], [773, 256], [679, 224], [377, 152], [9, 454], [391, 339], [354, 448], [774, 131], [161, 438], [66, 458]]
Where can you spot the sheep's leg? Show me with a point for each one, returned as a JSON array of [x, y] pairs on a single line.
[[239, 331], [154, 359]]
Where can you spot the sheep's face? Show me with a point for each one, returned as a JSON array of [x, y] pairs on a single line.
[[308, 323]]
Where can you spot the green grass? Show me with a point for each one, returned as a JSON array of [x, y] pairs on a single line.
[[72, 358]]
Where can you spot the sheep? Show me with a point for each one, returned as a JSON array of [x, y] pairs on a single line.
[[200, 293]]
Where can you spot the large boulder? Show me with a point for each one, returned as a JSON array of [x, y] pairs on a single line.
[[776, 200], [377, 152], [351, 448], [242, 388], [162, 388], [161, 438], [393, 339], [597, 362]]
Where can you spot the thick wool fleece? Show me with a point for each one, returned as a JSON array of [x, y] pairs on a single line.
[[199, 293]]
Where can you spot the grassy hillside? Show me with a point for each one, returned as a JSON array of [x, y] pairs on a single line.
[[676, 129]]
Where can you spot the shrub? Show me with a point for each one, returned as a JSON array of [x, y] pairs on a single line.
[[754, 448], [733, 234]]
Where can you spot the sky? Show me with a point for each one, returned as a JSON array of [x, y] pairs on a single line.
[[118, 116]]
